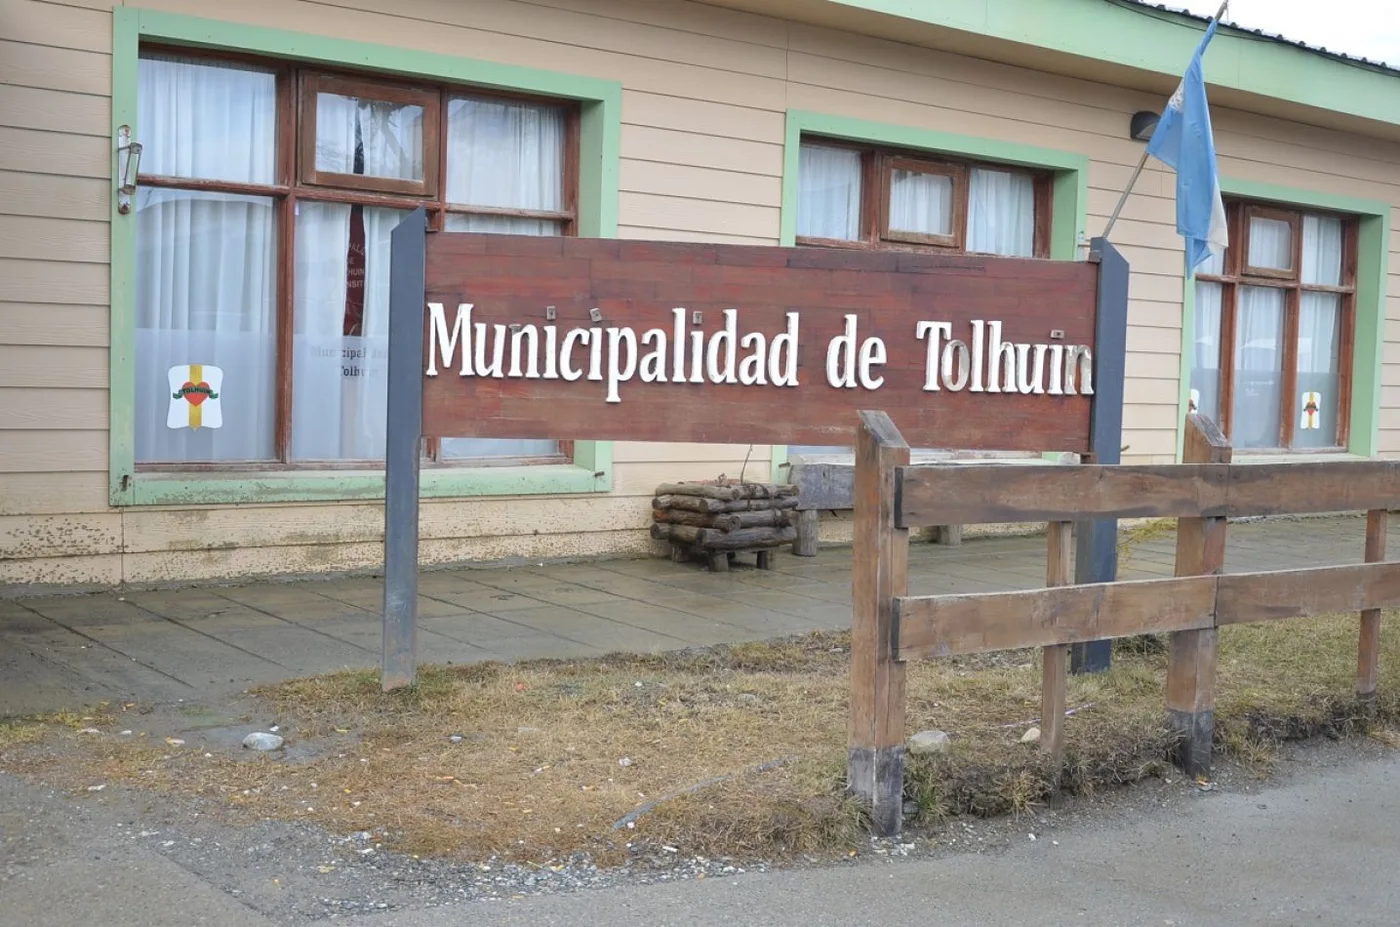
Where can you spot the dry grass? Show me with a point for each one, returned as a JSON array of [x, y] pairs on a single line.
[[536, 774]]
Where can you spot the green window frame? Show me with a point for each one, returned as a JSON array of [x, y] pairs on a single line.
[[1372, 247], [600, 131], [1069, 180]]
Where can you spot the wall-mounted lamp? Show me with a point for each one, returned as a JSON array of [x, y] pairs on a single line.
[[128, 167], [1143, 125]]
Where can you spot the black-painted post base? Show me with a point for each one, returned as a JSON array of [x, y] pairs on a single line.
[[1195, 732], [876, 777], [1095, 561], [1095, 657]]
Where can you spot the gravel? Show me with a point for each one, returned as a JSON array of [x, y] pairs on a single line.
[[295, 871]]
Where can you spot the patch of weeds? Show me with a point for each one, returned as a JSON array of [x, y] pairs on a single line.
[[552, 753], [17, 731]]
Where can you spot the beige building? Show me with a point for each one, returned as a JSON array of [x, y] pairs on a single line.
[[280, 140]]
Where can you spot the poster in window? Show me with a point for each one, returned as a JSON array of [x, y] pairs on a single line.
[[1312, 406], [194, 396]]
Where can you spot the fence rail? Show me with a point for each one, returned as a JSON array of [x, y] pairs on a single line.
[[989, 493], [945, 626], [890, 627]]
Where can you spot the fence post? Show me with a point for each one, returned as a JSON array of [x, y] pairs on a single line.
[[1368, 654], [875, 755], [1200, 550], [1058, 563]]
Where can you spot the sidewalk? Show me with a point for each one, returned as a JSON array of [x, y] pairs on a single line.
[[160, 646]]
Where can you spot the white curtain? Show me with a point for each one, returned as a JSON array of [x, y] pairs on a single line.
[[829, 188], [1001, 213], [1319, 330], [1205, 362], [510, 155], [1258, 387], [1322, 250], [206, 263], [506, 154], [340, 381], [371, 137], [1319, 366], [206, 274], [1214, 264], [208, 120], [1270, 243], [921, 203]]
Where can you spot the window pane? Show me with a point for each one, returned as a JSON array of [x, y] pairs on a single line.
[[1270, 243], [1322, 250], [1254, 416], [340, 341], [505, 154], [1001, 213], [1319, 370], [469, 448], [1205, 363], [501, 225], [206, 279], [828, 199], [208, 120], [921, 203], [374, 138], [1214, 264]]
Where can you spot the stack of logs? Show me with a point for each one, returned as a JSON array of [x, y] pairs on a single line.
[[716, 520]]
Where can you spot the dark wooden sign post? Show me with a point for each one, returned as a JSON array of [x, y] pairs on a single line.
[[496, 336]]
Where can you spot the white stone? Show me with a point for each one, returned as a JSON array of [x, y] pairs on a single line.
[[928, 742], [260, 741], [1031, 737]]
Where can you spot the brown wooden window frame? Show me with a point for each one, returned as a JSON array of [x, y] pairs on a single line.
[[1294, 221], [1238, 273], [958, 176], [877, 166], [314, 83], [292, 186]]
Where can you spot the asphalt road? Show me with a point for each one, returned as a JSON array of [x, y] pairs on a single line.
[[1323, 848]]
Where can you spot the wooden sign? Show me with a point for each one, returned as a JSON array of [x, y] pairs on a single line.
[[498, 336], [649, 341]]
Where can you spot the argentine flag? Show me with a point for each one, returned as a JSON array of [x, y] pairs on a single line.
[[1183, 142]]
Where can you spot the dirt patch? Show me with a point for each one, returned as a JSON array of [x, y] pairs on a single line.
[[735, 751]]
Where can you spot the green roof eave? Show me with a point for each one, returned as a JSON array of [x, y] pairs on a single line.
[[1157, 41]]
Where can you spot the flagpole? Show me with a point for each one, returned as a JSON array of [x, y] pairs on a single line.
[[1142, 162]]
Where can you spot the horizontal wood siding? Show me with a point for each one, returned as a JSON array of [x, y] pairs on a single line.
[[705, 95]]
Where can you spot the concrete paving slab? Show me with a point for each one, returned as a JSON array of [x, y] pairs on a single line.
[[192, 657], [82, 611], [572, 594], [436, 581], [684, 626], [164, 644], [476, 629], [568, 624], [541, 647], [276, 598], [489, 600]]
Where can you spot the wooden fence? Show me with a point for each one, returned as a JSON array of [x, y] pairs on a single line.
[[890, 627]]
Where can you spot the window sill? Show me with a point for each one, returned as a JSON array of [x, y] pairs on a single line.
[[345, 485], [1298, 458], [917, 456]]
